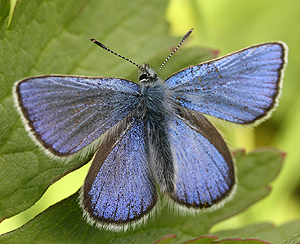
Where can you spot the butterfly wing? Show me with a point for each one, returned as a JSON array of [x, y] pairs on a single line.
[[119, 187], [204, 167], [240, 87], [66, 113]]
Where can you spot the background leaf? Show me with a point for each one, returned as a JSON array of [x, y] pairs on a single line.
[[46, 37], [265, 231], [229, 26], [43, 35], [63, 221]]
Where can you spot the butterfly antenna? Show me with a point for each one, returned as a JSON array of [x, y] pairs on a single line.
[[120, 56], [171, 54]]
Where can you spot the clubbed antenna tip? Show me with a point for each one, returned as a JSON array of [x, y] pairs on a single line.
[[171, 54]]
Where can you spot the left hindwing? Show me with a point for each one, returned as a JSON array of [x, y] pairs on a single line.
[[119, 187], [240, 87], [203, 164]]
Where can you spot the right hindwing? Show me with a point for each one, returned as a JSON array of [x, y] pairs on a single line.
[[203, 163]]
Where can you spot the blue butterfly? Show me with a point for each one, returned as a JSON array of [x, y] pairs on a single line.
[[153, 134]]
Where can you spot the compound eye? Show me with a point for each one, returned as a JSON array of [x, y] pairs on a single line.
[[143, 77]]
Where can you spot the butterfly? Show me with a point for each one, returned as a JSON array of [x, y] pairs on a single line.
[[154, 136]]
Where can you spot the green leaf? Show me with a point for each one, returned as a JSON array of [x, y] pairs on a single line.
[[48, 37], [292, 240], [63, 222], [165, 239], [266, 231], [4, 14], [245, 241], [202, 240]]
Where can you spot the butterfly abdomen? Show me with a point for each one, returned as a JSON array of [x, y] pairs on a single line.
[[157, 141]]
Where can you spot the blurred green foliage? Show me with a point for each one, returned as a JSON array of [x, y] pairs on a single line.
[[229, 26]]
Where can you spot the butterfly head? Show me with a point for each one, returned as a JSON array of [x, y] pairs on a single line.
[[147, 75]]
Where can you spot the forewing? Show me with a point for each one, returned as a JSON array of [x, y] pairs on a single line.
[[240, 87], [66, 113], [119, 187], [204, 167]]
